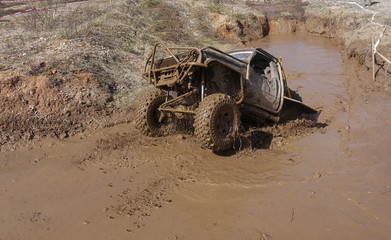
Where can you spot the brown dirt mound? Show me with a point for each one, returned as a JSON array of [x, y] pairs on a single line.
[[239, 31], [49, 103]]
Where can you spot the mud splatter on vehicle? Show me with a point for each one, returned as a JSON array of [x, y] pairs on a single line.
[[213, 89]]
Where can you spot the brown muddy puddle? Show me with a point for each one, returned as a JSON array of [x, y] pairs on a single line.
[[331, 185], [116, 184], [313, 66]]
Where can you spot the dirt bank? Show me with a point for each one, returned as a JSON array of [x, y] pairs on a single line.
[[50, 104]]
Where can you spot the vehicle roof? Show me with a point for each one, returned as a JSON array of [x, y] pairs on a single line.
[[253, 49], [250, 49]]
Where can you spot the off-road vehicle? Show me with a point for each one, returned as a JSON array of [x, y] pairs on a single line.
[[213, 88]]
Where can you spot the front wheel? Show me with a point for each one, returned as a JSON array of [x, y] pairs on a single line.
[[217, 122], [149, 120]]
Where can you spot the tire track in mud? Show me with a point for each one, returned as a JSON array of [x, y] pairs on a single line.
[[159, 166], [147, 187]]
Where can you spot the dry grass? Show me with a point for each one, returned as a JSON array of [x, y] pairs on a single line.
[[110, 41]]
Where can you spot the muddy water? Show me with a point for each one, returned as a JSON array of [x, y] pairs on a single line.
[[117, 184], [330, 185], [313, 66]]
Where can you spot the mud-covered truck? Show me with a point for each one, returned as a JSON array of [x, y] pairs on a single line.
[[214, 89]]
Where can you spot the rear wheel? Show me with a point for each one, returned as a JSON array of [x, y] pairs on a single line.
[[149, 120], [217, 122]]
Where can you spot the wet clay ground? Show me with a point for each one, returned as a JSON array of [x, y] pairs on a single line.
[[289, 182]]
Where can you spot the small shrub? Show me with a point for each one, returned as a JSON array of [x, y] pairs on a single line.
[[215, 6], [149, 3], [156, 27]]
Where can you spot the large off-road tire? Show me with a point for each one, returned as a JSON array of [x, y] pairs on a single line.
[[217, 122], [147, 114]]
